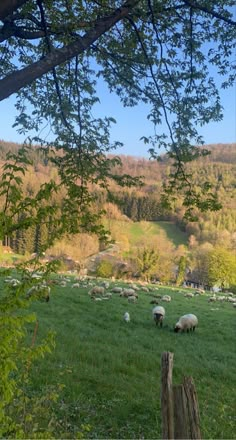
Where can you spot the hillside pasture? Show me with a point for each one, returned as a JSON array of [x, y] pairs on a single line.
[[111, 369], [146, 231]]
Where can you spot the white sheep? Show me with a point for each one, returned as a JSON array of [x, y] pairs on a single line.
[[117, 289], [166, 298], [212, 298], [186, 322], [132, 298], [128, 292], [41, 290], [126, 317], [158, 314], [189, 295], [97, 290]]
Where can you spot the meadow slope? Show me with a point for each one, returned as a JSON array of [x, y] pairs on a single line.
[[111, 369]]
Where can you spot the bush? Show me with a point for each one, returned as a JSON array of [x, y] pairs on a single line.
[[104, 269]]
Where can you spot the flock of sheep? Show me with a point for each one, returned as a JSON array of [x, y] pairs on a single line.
[[104, 292]]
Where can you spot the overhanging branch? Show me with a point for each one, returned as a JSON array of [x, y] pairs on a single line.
[[7, 7], [21, 78]]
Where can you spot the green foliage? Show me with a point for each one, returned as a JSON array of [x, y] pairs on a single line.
[[20, 407], [181, 271], [104, 269], [147, 261], [222, 267], [126, 46]]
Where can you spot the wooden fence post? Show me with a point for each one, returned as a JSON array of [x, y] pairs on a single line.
[[179, 405], [193, 409], [167, 396], [181, 430]]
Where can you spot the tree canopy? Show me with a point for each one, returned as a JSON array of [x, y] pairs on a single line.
[[166, 54]]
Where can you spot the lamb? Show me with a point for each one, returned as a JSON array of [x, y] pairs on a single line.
[[186, 322], [127, 317], [158, 314]]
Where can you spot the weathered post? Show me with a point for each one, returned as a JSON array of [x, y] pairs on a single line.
[[167, 396], [179, 405], [181, 430], [193, 409]]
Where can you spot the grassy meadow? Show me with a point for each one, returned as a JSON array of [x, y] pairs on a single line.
[[111, 369]]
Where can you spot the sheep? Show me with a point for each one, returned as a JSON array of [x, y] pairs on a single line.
[[158, 314], [154, 301], [126, 317], [106, 284], [117, 289], [97, 290], [40, 289], [128, 292], [212, 298], [166, 298], [132, 298], [75, 285], [189, 295], [186, 322], [230, 299]]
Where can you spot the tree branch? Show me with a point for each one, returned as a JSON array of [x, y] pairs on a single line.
[[15, 81], [210, 11], [7, 7]]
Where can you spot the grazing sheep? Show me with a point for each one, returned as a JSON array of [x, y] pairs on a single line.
[[132, 298], [97, 290], [189, 295], [232, 300], [158, 314], [166, 298], [212, 299], [127, 317], [75, 285], [128, 292], [186, 322], [62, 284], [154, 301], [41, 290], [108, 295], [117, 289]]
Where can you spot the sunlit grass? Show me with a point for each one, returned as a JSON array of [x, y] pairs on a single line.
[[111, 369]]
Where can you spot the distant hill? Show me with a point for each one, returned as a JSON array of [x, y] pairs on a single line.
[[142, 203]]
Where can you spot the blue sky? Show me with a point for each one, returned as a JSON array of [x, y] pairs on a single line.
[[132, 123]]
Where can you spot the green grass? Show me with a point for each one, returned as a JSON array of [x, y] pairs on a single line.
[[10, 258], [174, 233], [137, 230], [111, 369]]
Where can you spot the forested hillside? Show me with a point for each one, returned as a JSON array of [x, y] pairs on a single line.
[[143, 202]]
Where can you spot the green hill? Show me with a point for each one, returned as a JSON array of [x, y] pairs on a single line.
[[145, 231]]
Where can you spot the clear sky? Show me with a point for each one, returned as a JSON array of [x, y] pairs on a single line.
[[132, 123]]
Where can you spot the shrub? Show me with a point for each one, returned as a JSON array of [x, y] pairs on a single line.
[[104, 269]]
